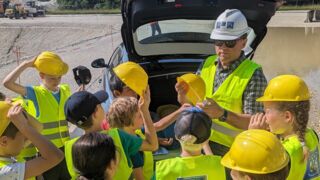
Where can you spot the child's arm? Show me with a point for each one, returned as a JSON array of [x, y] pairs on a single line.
[[206, 148], [34, 123], [138, 173], [10, 80], [50, 155], [151, 141], [166, 121]]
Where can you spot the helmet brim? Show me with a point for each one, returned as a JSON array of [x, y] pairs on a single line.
[[227, 36]]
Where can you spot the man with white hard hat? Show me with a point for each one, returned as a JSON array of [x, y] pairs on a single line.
[[233, 82]]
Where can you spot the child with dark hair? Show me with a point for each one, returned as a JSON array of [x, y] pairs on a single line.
[[122, 86], [2, 96], [16, 126], [286, 103], [94, 156], [192, 130], [84, 110]]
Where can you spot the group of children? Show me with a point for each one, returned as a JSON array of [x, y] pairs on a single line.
[[118, 142]]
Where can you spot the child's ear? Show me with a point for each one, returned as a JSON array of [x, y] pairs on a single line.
[[246, 177], [41, 75], [116, 93], [95, 112], [3, 141], [289, 117]]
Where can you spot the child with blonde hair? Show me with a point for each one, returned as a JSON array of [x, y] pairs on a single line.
[[124, 113]]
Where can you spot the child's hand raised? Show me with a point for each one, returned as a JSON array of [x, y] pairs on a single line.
[[144, 101], [258, 121], [184, 106], [30, 63], [15, 114]]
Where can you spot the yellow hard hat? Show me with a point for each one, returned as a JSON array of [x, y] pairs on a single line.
[[50, 63], [256, 151], [197, 87], [133, 75], [286, 88], [4, 121]]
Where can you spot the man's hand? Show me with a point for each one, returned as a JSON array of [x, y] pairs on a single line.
[[165, 141], [182, 89], [210, 107], [144, 101], [258, 121]]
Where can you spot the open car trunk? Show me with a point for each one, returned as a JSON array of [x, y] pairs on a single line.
[[163, 77], [138, 14], [184, 41]]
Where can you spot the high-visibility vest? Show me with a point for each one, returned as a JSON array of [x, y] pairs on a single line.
[[313, 164], [207, 166], [123, 170], [30, 150], [147, 158], [295, 150], [228, 96], [51, 114], [4, 163]]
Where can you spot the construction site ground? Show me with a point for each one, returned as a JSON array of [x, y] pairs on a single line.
[[291, 46]]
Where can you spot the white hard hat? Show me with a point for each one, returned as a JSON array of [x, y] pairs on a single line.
[[230, 25]]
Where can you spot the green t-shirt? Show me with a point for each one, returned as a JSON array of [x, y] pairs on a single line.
[[130, 143]]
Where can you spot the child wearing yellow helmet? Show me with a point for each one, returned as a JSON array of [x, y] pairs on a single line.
[[16, 126], [257, 155], [129, 79], [48, 99], [84, 110], [287, 103]]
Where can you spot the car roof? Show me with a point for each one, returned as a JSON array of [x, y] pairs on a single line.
[[137, 13]]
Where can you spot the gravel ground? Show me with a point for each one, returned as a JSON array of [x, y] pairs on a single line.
[[79, 39]]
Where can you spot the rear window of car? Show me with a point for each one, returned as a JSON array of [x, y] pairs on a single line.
[[177, 30]]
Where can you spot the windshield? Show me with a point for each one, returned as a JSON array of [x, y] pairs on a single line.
[[176, 30]]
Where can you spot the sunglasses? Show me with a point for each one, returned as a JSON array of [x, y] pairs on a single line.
[[228, 43]]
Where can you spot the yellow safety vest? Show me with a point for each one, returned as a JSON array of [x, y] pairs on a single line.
[[148, 160], [51, 114], [313, 164], [28, 105], [207, 166], [4, 163], [297, 166], [123, 171], [228, 96]]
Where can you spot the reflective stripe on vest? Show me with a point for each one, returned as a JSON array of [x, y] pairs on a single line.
[[207, 166], [148, 160], [11, 161], [51, 114], [228, 96], [123, 171], [313, 164], [297, 165]]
